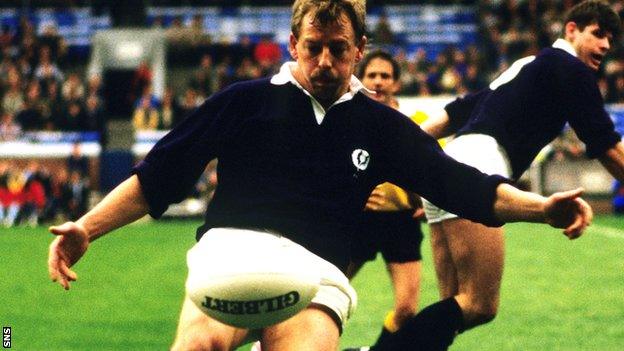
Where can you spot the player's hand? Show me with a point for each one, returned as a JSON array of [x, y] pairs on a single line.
[[377, 201], [567, 210], [68, 247]]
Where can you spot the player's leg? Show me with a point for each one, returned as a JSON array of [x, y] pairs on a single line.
[[403, 259], [197, 331], [478, 255], [311, 329], [405, 278], [443, 262]]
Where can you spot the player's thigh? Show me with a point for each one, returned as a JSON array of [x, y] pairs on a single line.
[[311, 329], [197, 331], [443, 262], [478, 254]]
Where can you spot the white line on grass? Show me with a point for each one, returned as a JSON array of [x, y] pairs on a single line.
[[609, 232]]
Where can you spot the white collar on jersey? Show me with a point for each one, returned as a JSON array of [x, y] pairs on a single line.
[[285, 76], [565, 46]]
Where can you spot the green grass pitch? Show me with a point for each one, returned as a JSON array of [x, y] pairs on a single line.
[[557, 294]]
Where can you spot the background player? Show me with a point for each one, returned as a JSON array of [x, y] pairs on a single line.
[[500, 130], [299, 155], [391, 221]]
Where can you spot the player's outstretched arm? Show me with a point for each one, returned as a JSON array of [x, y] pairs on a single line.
[[123, 205], [564, 210]]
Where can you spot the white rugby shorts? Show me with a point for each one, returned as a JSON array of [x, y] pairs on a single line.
[[479, 151], [256, 250]]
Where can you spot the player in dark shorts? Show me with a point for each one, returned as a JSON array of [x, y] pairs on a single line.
[[390, 223]]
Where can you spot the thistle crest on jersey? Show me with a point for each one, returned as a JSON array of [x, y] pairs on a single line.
[[360, 159]]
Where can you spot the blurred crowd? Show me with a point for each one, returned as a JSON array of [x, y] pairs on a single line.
[[34, 194], [252, 61], [38, 91]]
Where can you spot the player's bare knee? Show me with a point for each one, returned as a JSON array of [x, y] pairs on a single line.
[[480, 314]]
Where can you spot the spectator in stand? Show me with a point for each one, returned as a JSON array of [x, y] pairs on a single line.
[[142, 79], [247, 70], [474, 80], [176, 32], [27, 40], [33, 201], [6, 64], [13, 100], [14, 197], [74, 119], [203, 80], [31, 116], [196, 34], [245, 47], [77, 162], [24, 66], [78, 204], [170, 110], [60, 196], [383, 33], [616, 90], [147, 98], [55, 106], [190, 101], [268, 55], [145, 116], [9, 129], [56, 44], [73, 88], [94, 86], [6, 38], [95, 118], [47, 69], [225, 72]]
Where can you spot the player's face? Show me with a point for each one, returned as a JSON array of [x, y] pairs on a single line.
[[378, 76], [591, 44], [326, 57]]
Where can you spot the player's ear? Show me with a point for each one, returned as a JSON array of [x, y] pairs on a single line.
[[570, 29], [292, 46], [361, 45]]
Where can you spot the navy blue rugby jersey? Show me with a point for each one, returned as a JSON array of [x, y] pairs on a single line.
[[280, 170], [528, 106]]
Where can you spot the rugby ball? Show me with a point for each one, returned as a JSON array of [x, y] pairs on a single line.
[[250, 286], [252, 300]]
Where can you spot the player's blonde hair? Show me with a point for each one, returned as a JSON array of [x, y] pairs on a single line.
[[329, 11]]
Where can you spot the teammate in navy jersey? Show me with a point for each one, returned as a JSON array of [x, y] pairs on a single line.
[[299, 155], [499, 130], [390, 224]]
